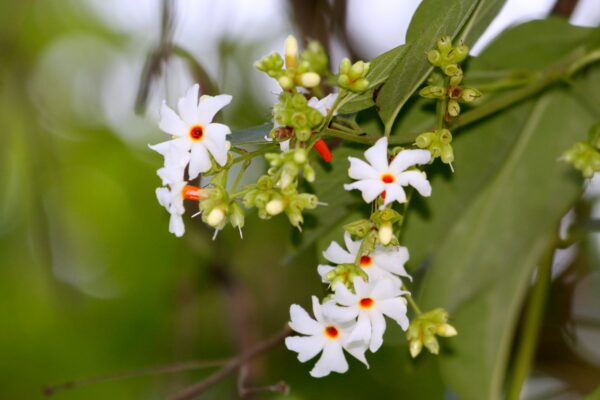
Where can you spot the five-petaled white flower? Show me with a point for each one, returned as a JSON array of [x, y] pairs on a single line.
[[383, 263], [322, 335], [194, 130], [378, 177], [368, 305]]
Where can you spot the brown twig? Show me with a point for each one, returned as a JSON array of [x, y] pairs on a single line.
[[192, 391], [158, 370]]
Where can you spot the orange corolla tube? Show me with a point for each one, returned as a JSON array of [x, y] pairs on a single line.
[[323, 150]]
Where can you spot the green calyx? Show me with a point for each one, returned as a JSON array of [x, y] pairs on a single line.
[[344, 274], [583, 156], [424, 328], [293, 111], [438, 143], [285, 167]]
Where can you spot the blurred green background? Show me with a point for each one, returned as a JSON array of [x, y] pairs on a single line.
[[91, 282]]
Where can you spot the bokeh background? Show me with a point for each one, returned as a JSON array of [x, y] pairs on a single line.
[[91, 282]]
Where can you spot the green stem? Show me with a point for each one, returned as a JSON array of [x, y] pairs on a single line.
[[413, 304], [250, 155], [441, 106], [238, 178], [533, 319]]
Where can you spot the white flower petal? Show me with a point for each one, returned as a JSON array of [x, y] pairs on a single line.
[[394, 192], [370, 188], [408, 158], [332, 359], [352, 245], [170, 121], [417, 180], [217, 132], [307, 347], [395, 309], [164, 196], [188, 105], [199, 161], [339, 314], [361, 170], [210, 105], [392, 259], [301, 322], [377, 155], [357, 349], [316, 306], [176, 226], [362, 330], [337, 255], [344, 296], [361, 288], [377, 330]]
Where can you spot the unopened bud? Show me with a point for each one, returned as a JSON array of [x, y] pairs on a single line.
[[285, 82], [425, 139], [290, 49], [434, 57], [432, 344], [357, 70], [432, 92], [444, 44], [452, 70], [453, 108], [215, 217], [309, 173], [445, 136], [345, 66], [300, 156], [386, 233], [274, 207], [460, 53], [470, 94], [310, 79], [446, 330], [415, 348], [360, 85]]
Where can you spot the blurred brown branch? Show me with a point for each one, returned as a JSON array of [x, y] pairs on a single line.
[[234, 364]]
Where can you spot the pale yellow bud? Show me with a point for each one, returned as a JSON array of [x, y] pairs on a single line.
[[215, 217], [446, 330], [415, 348], [386, 233], [290, 49], [310, 79], [274, 207]]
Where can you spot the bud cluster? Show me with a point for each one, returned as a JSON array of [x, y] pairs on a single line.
[[423, 330], [585, 156], [303, 70], [293, 111], [448, 58], [353, 76], [217, 208], [438, 143]]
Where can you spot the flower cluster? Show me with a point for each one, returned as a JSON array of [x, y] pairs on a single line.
[[585, 156], [366, 283]]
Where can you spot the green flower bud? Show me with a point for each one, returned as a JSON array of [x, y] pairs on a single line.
[[316, 58], [431, 344], [446, 330], [434, 57], [433, 92], [237, 216], [285, 82], [470, 94], [299, 120], [456, 79], [345, 66], [291, 51], [309, 173], [447, 154], [357, 70], [445, 136], [360, 85], [300, 156], [453, 108], [303, 134], [452, 70], [359, 228], [215, 217], [424, 140], [275, 206], [415, 347], [584, 157], [459, 53], [344, 81], [444, 44], [295, 218]]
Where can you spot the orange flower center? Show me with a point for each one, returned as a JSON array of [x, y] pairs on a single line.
[[196, 133], [366, 302], [387, 178], [331, 332], [365, 261], [190, 192]]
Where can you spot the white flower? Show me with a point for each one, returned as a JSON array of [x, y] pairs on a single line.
[[194, 131], [322, 335], [377, 176], [171, 198], [324, 105], [371, 302], [175, 162], [383, 263]]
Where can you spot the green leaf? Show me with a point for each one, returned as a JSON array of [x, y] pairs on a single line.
[[595, 395], [433, 19], [485, 226], [254, 135], [380, 69]]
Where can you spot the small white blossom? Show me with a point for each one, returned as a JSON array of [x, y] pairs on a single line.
[[175, 162], [378, 176], [383, 263], [194, 131], [368, 306], [322, 335], [171, 198]]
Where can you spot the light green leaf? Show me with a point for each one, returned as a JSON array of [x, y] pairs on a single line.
[[254, 135], [433, 19]]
